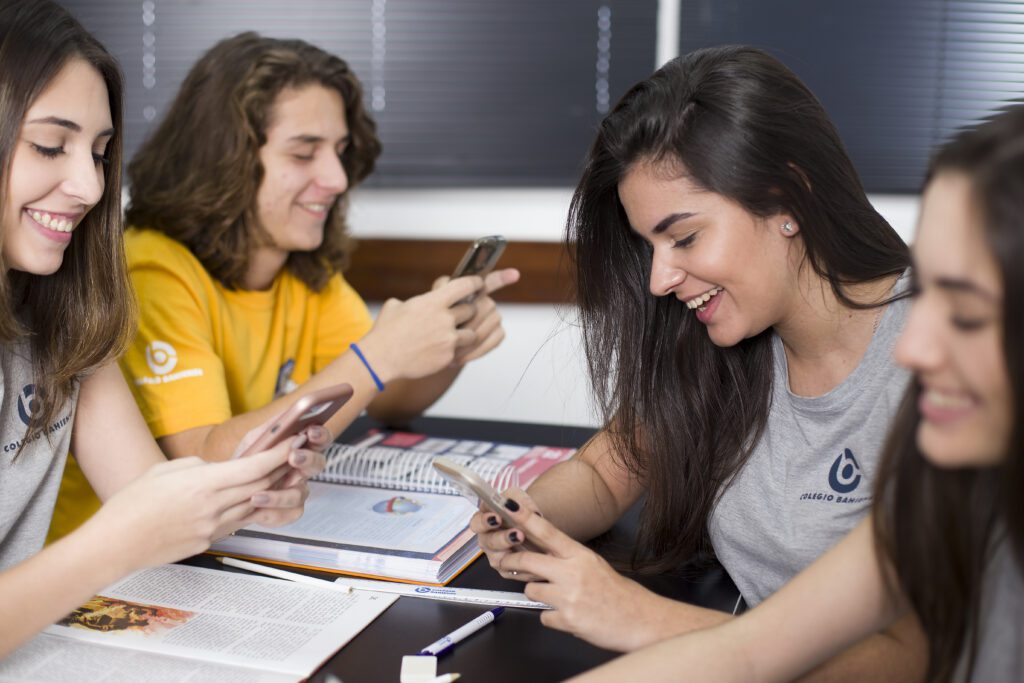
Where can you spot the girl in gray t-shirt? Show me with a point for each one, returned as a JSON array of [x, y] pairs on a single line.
[[738, 298], [947, 538], [65, 314]]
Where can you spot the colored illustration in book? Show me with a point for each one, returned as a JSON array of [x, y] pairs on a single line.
[[398, 505], [110, 614]]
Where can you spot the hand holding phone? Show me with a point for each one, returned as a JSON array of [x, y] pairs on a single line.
[[474, 488], [315, 408]]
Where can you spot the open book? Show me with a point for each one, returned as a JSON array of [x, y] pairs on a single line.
[[181, 623], [379, 509]]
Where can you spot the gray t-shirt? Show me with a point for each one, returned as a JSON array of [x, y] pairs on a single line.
[[1001, 622], [809, 479], [28, 483]]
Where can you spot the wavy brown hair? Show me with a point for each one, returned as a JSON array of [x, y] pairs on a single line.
[[197, 175], [80, 317], [936, 525], [682, 413]]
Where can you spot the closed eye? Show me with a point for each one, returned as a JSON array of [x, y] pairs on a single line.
[[685, 242], [48, 152]]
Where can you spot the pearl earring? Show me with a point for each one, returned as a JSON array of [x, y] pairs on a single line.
[[787, 227]]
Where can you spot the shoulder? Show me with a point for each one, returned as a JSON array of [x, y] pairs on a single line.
[[152, 251]]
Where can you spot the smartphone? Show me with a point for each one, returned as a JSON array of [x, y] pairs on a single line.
[[480, 257], [315, 408], [472, 486]]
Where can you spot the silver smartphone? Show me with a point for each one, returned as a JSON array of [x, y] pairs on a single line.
[[481, 256]]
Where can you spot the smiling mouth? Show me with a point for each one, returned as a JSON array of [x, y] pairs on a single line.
[[51, 221], [701, 299]]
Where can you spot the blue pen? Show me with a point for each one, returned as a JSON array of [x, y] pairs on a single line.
[[461, 633]]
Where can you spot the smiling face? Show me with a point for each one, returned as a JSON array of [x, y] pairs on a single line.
[[735, 271], [953, 339], [57, 169], [303, 176]]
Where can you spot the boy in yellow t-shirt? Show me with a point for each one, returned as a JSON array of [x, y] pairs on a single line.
[[238, 199]]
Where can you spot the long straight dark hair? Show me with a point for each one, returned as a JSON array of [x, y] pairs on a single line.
[[937, 525], [682, 413], [81, 316]]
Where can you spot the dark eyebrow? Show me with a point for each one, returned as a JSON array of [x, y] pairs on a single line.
[[70, 125], [667, 221], [57, 121], [965, 286], [309, 139]]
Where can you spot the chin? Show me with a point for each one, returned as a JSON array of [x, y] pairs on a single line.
[[956, 450]]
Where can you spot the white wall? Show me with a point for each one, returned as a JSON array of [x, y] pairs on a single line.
[[538, 373]]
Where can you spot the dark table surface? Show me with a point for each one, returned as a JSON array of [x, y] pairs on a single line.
[[517, 647]]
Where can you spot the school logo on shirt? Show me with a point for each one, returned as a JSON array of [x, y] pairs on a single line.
[[844, 476], [28, 403], [162, 358]]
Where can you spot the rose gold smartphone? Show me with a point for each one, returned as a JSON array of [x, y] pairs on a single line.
[[472, 486], [315, 408]]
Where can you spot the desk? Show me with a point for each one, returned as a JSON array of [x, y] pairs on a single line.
[[517, 648]]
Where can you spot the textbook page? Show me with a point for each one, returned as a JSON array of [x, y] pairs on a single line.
[[359, 518], [214, 616]]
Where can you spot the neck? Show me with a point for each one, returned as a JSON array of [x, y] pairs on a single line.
[[264, 265], [824, 338]]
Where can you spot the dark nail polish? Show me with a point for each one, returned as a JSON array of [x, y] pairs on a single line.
[[512, 505], [514, 537], [492, 520]]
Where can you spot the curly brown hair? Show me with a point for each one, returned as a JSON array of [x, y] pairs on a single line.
[[197, 175], [82, 316]]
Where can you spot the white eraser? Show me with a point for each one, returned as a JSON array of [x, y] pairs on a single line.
[[418, 669]]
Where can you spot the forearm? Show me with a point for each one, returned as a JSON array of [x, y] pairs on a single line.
[[576, 500], [49, 585], [406, 399], [899, 655], [219, 441]]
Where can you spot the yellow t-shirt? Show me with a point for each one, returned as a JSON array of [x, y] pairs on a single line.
[[204, 353]]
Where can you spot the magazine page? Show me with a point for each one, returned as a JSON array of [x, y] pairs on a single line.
[[52, 659], [223, 617]]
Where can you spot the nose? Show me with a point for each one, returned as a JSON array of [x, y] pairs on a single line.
[[921, 345], [331, 174], [85, 178], [665, 276]]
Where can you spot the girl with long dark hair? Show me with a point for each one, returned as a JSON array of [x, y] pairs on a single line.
[[946, 538], [739, 298], [65, 315]]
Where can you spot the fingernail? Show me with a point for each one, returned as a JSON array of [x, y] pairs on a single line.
[[512, 505], [260, 499], [492, 520], [514, 537], [300, 458], [318, 433]]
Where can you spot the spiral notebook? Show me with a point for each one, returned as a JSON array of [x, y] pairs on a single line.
[[379, 509]]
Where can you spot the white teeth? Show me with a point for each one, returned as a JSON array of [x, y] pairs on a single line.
[[316, 207], [702, 299], [57, 223], [943, 400]]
